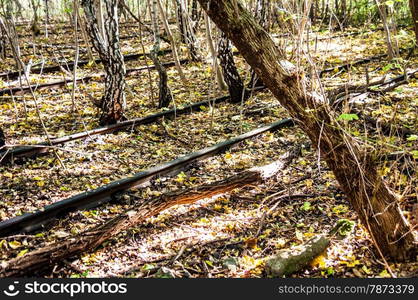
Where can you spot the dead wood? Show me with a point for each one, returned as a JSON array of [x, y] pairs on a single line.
[[289, 261]]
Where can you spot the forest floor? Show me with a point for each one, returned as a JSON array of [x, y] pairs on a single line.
[[224, 236]]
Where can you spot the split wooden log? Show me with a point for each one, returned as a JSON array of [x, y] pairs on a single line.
[[89, 240]]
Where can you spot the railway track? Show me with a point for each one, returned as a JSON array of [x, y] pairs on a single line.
[[30, 222], [70, 66], [60, 83], [8, 155]]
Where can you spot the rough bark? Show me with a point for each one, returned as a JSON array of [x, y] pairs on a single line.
[[91, 239], [113, 101], [236, 87], [354, 168]]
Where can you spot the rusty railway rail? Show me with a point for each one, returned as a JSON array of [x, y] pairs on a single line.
[[30, 222]]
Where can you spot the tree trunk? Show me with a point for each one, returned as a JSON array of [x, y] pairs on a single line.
[[91, 239], [215, 65], [35, 23], [3, 44], [413, 4], [46, 11], [173, 42], [186, 31], [2, 138], [391, 47], [236, 88], [353, 167], [261, 15], [113, 101]]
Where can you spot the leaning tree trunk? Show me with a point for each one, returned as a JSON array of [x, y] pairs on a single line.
[[413, 5], [233, 80], [353, 167], [113, 101]]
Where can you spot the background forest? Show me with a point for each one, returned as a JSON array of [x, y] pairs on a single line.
[[198, 138]]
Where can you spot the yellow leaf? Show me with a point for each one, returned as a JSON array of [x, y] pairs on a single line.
[[309, 234], [7, 174], [319, 262], [227, 156], [15, 244], [299, 235], [181, 177], [384, 274], [23, 252]]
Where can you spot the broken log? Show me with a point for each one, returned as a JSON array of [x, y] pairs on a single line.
[[30, 222], [91, 239], [289, 261]]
